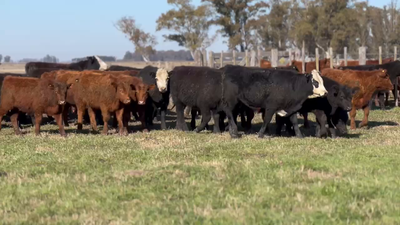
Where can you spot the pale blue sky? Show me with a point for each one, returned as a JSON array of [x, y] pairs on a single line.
[[77, 28]]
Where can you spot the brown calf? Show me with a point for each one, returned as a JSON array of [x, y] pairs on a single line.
[[35, 96], [369, 82]]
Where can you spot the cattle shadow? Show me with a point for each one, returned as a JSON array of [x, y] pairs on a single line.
[[373, 124]]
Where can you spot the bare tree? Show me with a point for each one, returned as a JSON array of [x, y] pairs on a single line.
[[144, 42]]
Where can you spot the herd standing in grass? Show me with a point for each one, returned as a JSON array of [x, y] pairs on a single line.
[[60, 90]]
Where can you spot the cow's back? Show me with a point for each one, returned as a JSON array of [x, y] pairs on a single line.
[[193, 85]]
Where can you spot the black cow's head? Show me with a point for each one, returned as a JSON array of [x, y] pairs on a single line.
[[95, 63], [342, 96]]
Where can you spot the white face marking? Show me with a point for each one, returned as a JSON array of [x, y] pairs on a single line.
[[281, 113], [162, 77], [103, 65], [141, 102], [320, 91]]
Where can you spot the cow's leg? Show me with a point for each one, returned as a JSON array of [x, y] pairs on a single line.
[[180, 120], [267, 119], [216, 119], [233, 131], [364, 122], [106, 117], [126, 118], [119, 114], [279, 124], [250, 116], [81, 113], [321, 123], [295, 124], [59, 121], [14, 121], [163, 112], [353, 114], [222, 117], [382, 100], [305, 117], [377, 99], [65, 114], [38, 121], [142, 117], [243, 121], [205, 118], [193, 120], [92, 117]]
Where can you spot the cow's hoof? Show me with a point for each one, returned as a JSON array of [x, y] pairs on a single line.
[[196, 130]]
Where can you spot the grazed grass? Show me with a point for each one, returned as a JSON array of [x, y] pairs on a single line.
[[169, 177]]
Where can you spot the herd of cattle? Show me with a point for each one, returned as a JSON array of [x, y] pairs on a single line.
[[91, 87]]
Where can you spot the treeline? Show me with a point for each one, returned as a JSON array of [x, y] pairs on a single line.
[[160, 56], [270, 24]]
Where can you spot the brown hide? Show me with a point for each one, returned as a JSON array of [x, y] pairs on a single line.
[[265, 64], [33, 96], [368, 62], [100, 91], [368, 83], [309, 66]]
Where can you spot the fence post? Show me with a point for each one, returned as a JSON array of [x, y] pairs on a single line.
[[274, 57], [246, 58], [234, 57], [396, 82], [211, 59], [345, 56], [316, 59], [303, 58], [380, 55], [221, 59], [204, 56], [331, 57], [259, 56], [253, 60], [362, 55]]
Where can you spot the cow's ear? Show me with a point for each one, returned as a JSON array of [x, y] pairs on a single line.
[[152, 74], [152, 87], [309, 77]]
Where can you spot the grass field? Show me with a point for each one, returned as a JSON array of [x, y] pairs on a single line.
[[172, 177]]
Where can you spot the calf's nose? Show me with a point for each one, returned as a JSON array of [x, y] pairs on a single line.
[[127, 101], [61, 102], [163, 89], [141, 102]]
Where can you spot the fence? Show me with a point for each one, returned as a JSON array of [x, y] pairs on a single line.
[[282, 58]]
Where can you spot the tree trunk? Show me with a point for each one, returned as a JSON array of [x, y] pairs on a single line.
[[192, 52]]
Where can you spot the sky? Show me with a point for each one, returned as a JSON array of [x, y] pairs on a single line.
[[77, 28]]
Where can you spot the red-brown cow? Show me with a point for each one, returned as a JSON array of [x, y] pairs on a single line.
[[310, 66], [369, 82], [108, 92], [35, 96], [367, 62]]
